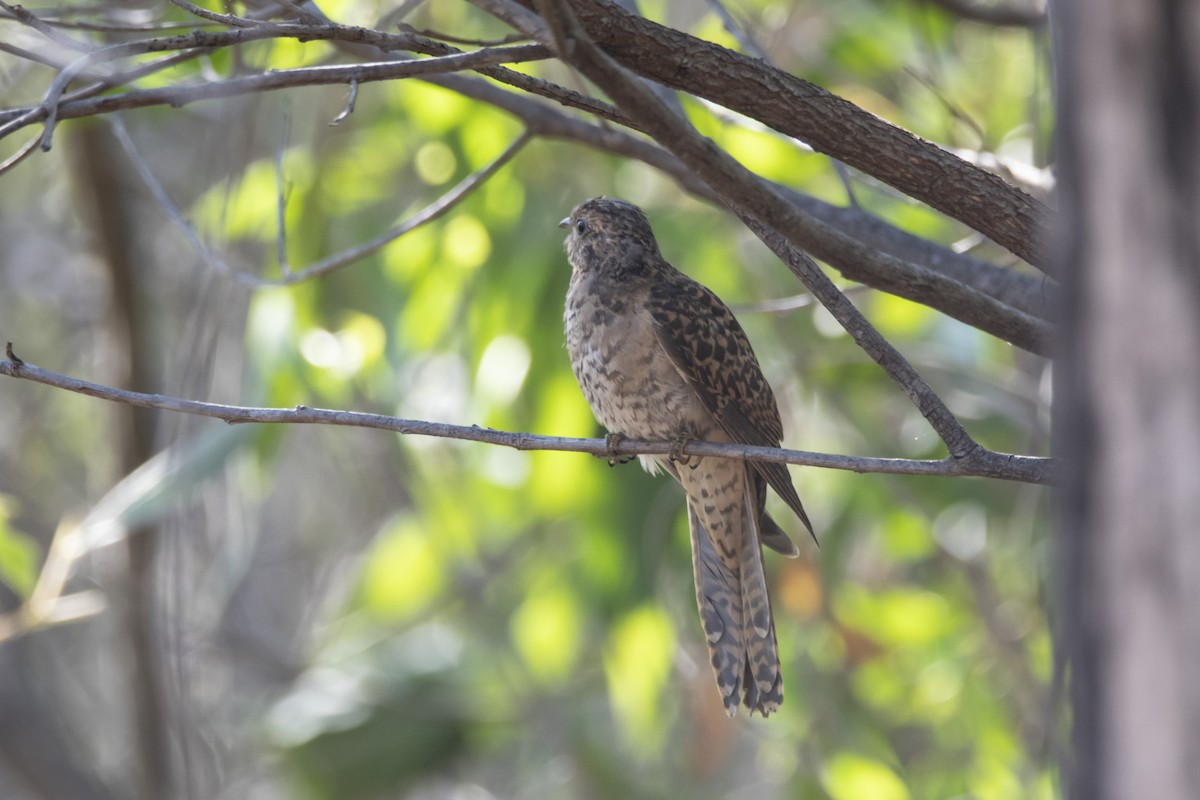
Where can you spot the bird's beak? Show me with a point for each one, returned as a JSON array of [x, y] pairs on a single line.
[[566, 222]]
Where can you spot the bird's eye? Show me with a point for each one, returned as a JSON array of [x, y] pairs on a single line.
[[581, 225]]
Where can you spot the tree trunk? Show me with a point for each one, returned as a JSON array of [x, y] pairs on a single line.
[[1128, 393]]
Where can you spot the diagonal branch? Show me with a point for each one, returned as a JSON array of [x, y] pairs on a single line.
[[429, 213], [981, 463]]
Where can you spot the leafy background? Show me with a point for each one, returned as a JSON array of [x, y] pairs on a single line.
[[350, 614]]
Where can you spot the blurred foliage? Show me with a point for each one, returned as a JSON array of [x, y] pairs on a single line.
[[18, 553], [523, 622]]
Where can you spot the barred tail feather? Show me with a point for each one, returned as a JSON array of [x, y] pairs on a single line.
[[720, 613], [731, 594], [763, 679]]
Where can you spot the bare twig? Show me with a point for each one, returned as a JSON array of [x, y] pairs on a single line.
[[447, 37], [101, 82], [426, 215], [52, 106], [20, 155], [282, 191], [897, 367], [737, 30], [782, 305], [979, 463], [528, 83], [205, 41], [350, 103], [26, 17], [172, 211], [1030, 16], [232, 20]]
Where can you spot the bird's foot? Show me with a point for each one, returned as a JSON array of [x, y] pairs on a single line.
[[612, 441], [677, 455]]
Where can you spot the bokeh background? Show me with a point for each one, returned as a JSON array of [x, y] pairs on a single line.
[[343, 613]]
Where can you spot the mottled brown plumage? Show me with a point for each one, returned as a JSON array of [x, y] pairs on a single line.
[[659, 356]]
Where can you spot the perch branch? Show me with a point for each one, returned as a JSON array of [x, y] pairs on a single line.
[[978, 463]]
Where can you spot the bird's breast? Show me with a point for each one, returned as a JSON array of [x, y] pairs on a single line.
[[625, 374]]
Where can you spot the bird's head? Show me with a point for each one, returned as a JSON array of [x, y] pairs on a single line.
[[609, 235]]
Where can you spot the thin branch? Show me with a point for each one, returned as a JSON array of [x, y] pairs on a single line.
[[101, 82], [207, 255], [16, 158], [737, 30], [992, 14], [980, 463], [51, 110], [426, 215], [953, 434], [347, 35], [209, 40], [530, 84], [26, 17], [451, 38], [351, 101], [282, 191], [783, 305], [231, 20]]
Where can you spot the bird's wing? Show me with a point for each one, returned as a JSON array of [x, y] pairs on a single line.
[[709, 348]]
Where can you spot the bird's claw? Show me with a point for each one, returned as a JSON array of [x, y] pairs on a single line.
[[677, 455], [612, 441]]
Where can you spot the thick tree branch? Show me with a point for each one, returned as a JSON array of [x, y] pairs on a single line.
[[979, 463], [826, 122]]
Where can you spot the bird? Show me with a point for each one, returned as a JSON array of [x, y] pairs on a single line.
[[659, 356]]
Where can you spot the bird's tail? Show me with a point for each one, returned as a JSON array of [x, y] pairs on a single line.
[[731, 593]]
